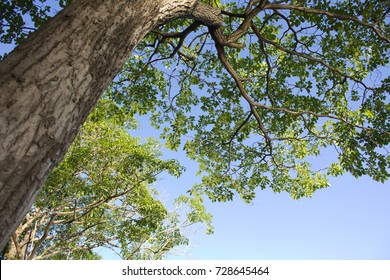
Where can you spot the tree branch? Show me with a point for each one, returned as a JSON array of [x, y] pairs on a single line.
[[207, 15], [329, 14], [300, 113], [246, 24], [306, 56], [47, 228], [238, 80]]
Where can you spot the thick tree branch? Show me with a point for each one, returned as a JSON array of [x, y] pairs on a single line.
[[46, 233], [182, 36], [207, 15], [15, 247], [246, 24]]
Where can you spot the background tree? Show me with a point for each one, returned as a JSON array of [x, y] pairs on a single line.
[[100, 196], [261, 86]]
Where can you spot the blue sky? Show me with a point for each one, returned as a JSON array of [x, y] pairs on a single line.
[[349, 220]]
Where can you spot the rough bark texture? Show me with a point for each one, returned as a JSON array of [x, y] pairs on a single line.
[[49, 84]]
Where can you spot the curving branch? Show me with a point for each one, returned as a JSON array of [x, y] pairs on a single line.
[[239, 82], [307, 57], [181, 36], [246, 24], [329, 14]]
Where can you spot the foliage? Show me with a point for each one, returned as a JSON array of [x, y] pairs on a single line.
[[277, 85], [13, 22], [99, 196]]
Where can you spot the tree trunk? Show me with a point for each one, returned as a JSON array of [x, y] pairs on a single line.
[[50, 83]]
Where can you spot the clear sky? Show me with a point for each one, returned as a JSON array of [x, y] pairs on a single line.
[[349, 220]]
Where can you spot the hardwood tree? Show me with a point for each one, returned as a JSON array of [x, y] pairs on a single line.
[[102, 196], [262, 86]]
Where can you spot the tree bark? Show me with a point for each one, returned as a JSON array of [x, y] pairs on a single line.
[[51, 82]]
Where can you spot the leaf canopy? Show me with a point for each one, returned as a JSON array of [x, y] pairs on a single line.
[[286, 82]]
